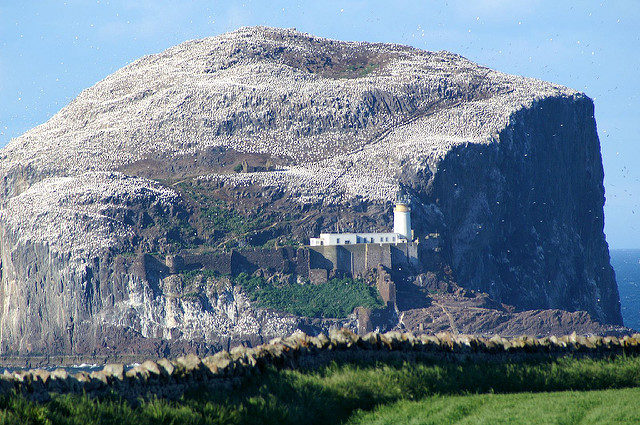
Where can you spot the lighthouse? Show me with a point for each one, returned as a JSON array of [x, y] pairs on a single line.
[[402, 232], [402, 220]]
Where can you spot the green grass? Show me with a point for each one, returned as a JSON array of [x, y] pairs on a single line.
[[215, 214], [225, 219], [585, 407], [392, 391], [336, 299], [360, 70], [205, 274]]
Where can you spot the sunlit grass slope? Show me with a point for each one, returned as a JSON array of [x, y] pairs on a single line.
[[603, 407]]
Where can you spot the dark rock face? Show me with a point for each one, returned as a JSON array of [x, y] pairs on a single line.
[[255, 138], [523, 217]]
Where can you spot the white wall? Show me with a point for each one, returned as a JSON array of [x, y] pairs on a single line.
[[354, 238]]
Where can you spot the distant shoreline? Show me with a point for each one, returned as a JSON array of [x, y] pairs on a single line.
[[39, 362]]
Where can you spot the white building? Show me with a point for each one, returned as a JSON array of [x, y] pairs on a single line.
[[354, 238], [401, 231]]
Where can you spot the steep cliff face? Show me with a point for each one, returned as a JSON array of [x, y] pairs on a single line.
[[524, 216], [506, 168]]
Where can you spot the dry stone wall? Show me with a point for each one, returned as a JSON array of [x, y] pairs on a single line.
[[171, 378]]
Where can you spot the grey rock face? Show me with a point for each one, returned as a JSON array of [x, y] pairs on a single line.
[[506, 168]]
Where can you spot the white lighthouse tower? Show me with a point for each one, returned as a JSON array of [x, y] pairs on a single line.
[[402, 220], [401, 230]]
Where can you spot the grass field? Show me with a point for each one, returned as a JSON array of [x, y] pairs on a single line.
[[604, 407], [566, 391]]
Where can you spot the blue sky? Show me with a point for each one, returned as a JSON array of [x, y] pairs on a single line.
[[50, 50]]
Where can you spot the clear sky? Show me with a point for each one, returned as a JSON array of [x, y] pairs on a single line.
[[52, 49]]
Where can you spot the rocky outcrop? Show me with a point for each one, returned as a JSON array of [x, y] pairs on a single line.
[[507, 169], [447, 307]]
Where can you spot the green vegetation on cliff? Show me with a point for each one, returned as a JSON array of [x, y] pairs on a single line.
[[211, 215], [336, 299], [380, 392]]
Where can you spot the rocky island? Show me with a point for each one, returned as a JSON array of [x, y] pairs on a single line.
[[127, 218]]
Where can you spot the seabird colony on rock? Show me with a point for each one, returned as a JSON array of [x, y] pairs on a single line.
[[340, 137]]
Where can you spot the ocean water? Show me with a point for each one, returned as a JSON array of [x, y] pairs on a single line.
[[84, 367], [626, 263]]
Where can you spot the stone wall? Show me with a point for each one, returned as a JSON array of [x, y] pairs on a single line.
[[355, 260], [404, 257], [363, 318], [318, 276], [280, 260], [336, 258], [360, 258], [378, 320], [386, 287], [170, 379]]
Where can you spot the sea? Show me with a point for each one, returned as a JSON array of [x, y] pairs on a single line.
[[83, 367], [626, 263]]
